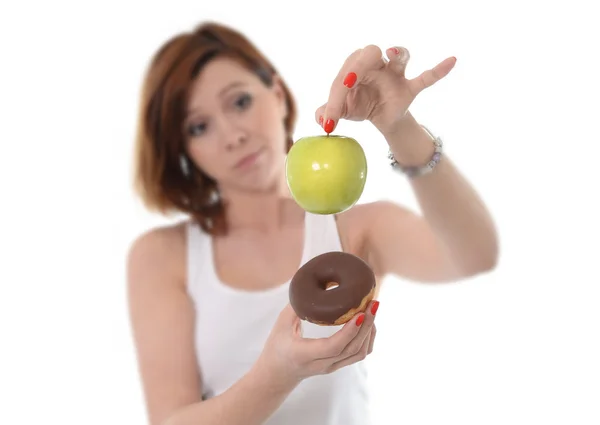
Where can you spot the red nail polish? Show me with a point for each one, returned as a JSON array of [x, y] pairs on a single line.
[[360, 319], [350, 80], [321, 120], [329, 126], [396, 50], [374, 307]]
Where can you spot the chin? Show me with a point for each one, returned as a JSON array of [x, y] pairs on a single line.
[[262, 181], [264, 185]]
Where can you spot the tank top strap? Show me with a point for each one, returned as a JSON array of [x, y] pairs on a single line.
[[197, 256], [324, 235], [321, 235]]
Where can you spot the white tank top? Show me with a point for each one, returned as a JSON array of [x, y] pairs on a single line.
[[232, 326]]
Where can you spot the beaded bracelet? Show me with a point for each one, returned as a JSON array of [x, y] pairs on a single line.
[[416, 171]]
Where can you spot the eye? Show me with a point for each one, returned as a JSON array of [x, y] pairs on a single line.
[[196, 130], [243, 102]]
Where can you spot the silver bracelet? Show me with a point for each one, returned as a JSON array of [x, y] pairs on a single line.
[[416, 171]]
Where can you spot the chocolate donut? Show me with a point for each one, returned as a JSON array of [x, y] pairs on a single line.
[[313, 301]]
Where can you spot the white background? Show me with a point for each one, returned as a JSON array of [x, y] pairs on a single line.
[[519, 115]]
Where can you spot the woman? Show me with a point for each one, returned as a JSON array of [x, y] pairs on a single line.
[[216, 340]]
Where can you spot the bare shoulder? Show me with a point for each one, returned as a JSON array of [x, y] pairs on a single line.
[[158, 250], [162, 321]]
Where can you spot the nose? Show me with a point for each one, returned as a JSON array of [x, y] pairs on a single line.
[[233, 136]]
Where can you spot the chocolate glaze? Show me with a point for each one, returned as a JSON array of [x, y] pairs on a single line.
[[308, 296]]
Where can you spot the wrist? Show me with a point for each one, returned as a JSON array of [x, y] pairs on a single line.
[[409, 142], [268, 379]]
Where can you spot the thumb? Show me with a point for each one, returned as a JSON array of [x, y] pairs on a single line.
[[288, 319], [320, 113]]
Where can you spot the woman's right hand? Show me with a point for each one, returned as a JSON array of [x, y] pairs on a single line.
[[288, 358]]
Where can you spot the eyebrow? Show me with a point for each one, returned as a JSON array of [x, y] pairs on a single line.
[[222, 93], [233, 85]]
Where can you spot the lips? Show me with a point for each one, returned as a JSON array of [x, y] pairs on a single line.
[[248, 160]]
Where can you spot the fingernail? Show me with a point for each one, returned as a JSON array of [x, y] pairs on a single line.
[[374, 307], [360, 319], [350, 80], [329, 126], [396, 50], [321, 120]]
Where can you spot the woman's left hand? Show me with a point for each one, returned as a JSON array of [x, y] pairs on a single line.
[[369, 87]]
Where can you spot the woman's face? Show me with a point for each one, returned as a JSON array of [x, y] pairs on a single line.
[[235, 127]]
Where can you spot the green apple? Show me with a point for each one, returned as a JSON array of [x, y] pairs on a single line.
[[326, 174]]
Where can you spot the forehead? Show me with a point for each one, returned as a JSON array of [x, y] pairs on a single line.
[[217, 76]]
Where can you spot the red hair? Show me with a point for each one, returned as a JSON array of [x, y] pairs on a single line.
[[159, 178]]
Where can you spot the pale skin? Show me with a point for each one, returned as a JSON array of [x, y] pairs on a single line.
[[448, 241]]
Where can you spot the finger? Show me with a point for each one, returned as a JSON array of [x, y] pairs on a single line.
[[319, 114], [354, 346], [360, 355], [333, 346], [365, 349], [432, 76], [349, 77], [372, 339], [399, 57]]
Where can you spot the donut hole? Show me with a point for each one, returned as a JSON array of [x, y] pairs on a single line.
[[331, 285], [328, 281]]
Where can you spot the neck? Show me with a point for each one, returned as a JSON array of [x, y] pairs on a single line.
[[264, 211]]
